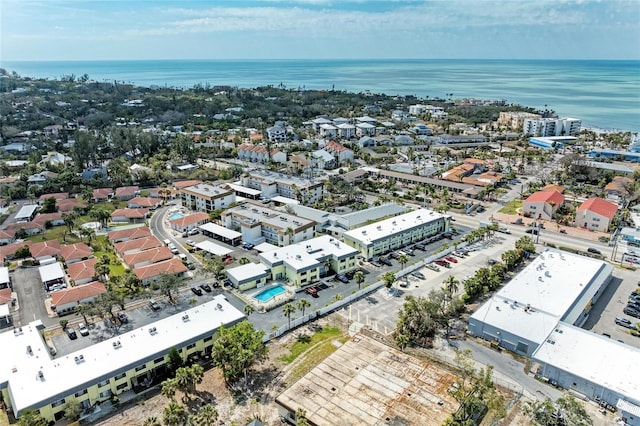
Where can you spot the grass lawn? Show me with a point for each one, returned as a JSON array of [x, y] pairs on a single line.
[[313, 349], [513, 207], [59, 233]]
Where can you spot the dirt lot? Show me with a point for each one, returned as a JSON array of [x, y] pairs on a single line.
[[234, 407]]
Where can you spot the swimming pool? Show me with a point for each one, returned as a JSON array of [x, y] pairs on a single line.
[[175, 216], [270, 293]]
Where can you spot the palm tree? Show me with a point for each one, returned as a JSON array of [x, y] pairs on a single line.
[[152, 421], [84, 309], [389, 278], [207, 416], [169, 388], [287, 310], [451, 285], [302, 305], [249, 309], [403, 259], [173, 414], [359, 277]]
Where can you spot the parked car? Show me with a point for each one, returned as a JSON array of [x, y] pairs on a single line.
[[385, 261], [532, 231], [312, 291], [634, 297], [419, 275], [206, 287], [432, 267], [420, 246], [375, 263], [394, 255], [190, 265], [82, 329], [625, 322], [442, 262], [409, 251], [342, 278], [631, 311], [518, 221], [248, 246], [563, 231], [71, 333], [196, 290], [123, 318], [155, 306], [594, 250], [451, 259], [191, 243], [194, 231], [492, 261]]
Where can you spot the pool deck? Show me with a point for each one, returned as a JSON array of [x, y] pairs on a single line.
[[274, 302]]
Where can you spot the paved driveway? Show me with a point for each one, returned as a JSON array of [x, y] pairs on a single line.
[[31, 295]]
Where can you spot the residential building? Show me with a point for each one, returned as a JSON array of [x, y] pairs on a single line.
[[56, 196], [277, 134], [152, 272], [189, 221], [303, 263], [140, 244], [128, 234], [631, 236], [615, 154], [421, 129], [462, 139], [186, 183], [91, 375], [595, 214], [206, 198], [557, 286], [65, 301], [44, 220], [73, 253], [45, 249], [6, 238], [272, 184], [341, 153], [101, 194], [69, 205], [542, 204], [317, 122], [346, 130], [365, 129], [26, 213], [129, 215], [260, 154], [619, 188], [144, 203], [55, 159], [125, 193], [82, 272], [396, 232], [514, 120], [551, 126], [259, 224], [328, 131], [323, 160], [365, 382], [138, 259], [251, 275]]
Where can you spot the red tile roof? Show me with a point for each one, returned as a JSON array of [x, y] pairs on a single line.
[[190, 219], [77, 293], [332, 146], [5, 235], [56, 196], [126, 190], [185, 183], [43, 218], [129, 233], [10, 249], [5, 296], [68, 205], [173, 266], [82, 270], [152, 255], [102, 193], [558, 188], [138, 244], [546, 197], [144, 201], [76, 251], [600, 207], [259, 149], [13, 227], [130, 213], [45, 248]]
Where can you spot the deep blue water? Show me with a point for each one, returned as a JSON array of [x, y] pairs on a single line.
[[602, 93]]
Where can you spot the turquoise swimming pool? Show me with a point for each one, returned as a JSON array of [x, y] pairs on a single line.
[[175, 216], [270, 293]]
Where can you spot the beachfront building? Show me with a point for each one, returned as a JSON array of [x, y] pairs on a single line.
[[123, 365], [259, 224], [396, 232], [206, 198], [303, 263], [514, 120], [552, 142], [551, 126], [273, 184], [555, 287], [615, 154]]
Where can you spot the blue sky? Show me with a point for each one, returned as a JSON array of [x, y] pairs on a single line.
[[280, 29]]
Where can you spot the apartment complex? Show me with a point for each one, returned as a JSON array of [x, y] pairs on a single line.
[[206, 198], [261, 224], [272, 184], [131, 362], [551, 126], [514, 120], [390, 234]]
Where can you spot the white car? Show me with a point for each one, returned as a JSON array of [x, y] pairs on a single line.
[[82, 328]]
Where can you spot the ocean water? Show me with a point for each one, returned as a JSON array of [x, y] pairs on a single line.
[[603, 94]]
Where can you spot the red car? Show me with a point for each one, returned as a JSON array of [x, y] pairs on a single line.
[[442, 262], [312, 291], [451, 259]]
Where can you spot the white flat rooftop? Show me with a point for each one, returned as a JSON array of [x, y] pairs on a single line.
[[549, 285], [220, 230], [237, 187], [594, 357], [51, 272], [383, 229], [248, 271], [213, 248], [4, 275], [64, 375], [306, 254], [284, 200]]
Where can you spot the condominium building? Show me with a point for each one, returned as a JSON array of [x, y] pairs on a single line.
[[205, 197], [514, 120], [396, 232], [31, 378], [261, 224], [551, 126], [272, 184]]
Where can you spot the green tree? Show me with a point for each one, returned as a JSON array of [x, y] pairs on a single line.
[[70, 220], [416, 321], [31, 417], [207, 416], [565, 410], [49, 205], [302, 305], [151, 421], [84, 309], [174, 414], [72, 411], [287, 310], [301, 417], [451, 285], [359, 277], [174, 360], [388, 278], [237, 349], [248, 309], [168, 284], [169, 388], [403, 259], [23, 252]]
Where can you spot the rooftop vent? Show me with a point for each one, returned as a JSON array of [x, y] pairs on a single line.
[[219, 307], [40, 375], [117, 344], [29, 350], [185, 318], [79, 359], [153, 331]]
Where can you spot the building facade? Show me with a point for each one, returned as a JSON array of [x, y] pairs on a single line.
[[272, 184], [206, 198]]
